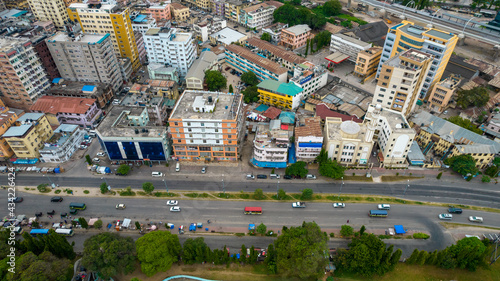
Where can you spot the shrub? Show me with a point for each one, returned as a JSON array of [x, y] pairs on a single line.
[[258, 194], [43, 188], [439, 175], [332, 235], [57, 191], [306, 194], [420, 235], [346, 230], [486, 179], [86, 191]]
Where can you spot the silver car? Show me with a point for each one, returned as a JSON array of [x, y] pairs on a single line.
[[175, 209]]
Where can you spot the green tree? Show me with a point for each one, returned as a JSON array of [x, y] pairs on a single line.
[[422, 257], [124, 169], [492, 171], [332, 8], [157, 251], [53, 242], [83, 223], [306, 194], [465, 123], [148, 187], [88, 159], [103, 187], [346, 230], [98, 224], [322, 39], [413, 258], [300, 251], [462, 164], [431, 259], [477, 96], [243, 256], [231, 90], [261, 228], [362, 231], [469, 253], [250, 78], [331, 169], [251, 94], [315, 21], [297, 169], [46, 266], [346, 23], [322, 156], [295, 2], [194, 251], [109, 254], [270, 260], [266, 36], [215, 80], [258, 194], [395, 258], [137, 225], [486, 179], [281, 194]]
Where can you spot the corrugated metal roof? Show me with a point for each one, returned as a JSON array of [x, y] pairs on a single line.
[[289, 89], [17, 131], [65, 128], [30, 116]]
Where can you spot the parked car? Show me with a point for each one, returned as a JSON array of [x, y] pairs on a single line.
[[120, 206], [203, 170], [172, 203], [97, 160], [475, 219], [100, 154], [227, 68], [235, 26], [83, 147], [445, 216], [384, 207], [16, 200], [175, 209], [262, 176], [311, 177], [339, 205], [250, 177], [56, 199], [287, 177]]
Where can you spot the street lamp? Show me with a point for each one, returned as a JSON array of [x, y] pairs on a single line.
[[277, 192], [341, 185], [109, 187], [434, 17], [165, 185], [407, 186], [51, 183], [403, 15], [223, 187], [463, 30]]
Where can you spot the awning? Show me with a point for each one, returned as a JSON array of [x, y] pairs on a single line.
[[92, 221], [337, 57], [399, 229]]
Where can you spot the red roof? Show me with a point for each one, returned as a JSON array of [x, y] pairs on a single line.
[[272, 113], [54, 105], [323, 111], [253, 209]]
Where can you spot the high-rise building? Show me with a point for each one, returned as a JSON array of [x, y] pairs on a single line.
[[367, 62], [50, 10], [108, 18], [23, 78], [407, 35], [167, 46], [206, 126], [401, 79], [259, 15], [86, 58], [442, 92]]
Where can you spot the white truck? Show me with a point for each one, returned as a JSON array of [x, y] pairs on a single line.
[[299, 204]]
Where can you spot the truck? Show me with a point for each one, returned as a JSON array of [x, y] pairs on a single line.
[[299, 204]]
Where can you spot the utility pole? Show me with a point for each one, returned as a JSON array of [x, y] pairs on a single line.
[[109, 187], [223, 187], [277, 190], [341, 185], [51, 183], [165, 185]]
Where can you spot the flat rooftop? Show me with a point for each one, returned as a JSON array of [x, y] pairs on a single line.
[[352, 40], [116, 124], [8, 43], [256, 59], [266, 138], [84, 38], [421, 32], [349, 127], [74, 88], [61, 135], [411, 54], [227, 106], [395, 119]]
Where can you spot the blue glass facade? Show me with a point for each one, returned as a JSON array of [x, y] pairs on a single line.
[[149, 150]]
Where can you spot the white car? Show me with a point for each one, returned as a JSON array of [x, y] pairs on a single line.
[[172, 203], [175, 209], [338, 205], [97, 160], [120, 206], [311, 177], [100, 154], [445, 216], [475, 219], [203, 170], [384, 207]]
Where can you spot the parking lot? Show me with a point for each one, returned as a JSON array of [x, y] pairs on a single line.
[[232, 79]]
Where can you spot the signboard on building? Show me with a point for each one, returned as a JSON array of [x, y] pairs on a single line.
[[306, 79]]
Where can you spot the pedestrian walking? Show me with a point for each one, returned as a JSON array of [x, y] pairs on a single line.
[[347, 221]]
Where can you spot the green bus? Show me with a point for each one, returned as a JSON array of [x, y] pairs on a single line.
[[77, 206]]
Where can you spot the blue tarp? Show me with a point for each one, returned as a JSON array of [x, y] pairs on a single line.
[[399, 229], [251, 226], [291, 154], [268, 164], [312, 144], [56, 80], [88, 88], [24, 161], [261, 108]]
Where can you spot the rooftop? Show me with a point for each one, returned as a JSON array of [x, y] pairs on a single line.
[[352, 40], [201, 64], [73, 88], [54, 105], [298, 29], [372, 32], [411, 54], [116, 124], [172, 33], [10, 44], [5, 117], [312, 127], [415, 153], [422, 32], [336, 126], [451, 82], [61, 135], [17, 131], [275, 50], [84, 38], [271, 138], [228, 36], [278, 87], [256, 59], [205, 105], [30, 116], [395, 119], [177, 6], [323, 112]]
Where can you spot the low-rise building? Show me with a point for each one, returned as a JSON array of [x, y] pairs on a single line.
[[492, 128], [7, 118], [127, 135], [275, 31], [142, 23], [392, 134], [158, 71], [280, 94], [207, 26], [367, 62], [259, 15], [232, 9], [206, 126], [195, 77], [227, 36], [159, 12], [102, 93], [308, 139], [180, 12], [348, 142], [442, 92], [28, 135], [82, 112], [243, 59], [348, 45], [270, 146], [296, 36], [61, 146], [310, 78]]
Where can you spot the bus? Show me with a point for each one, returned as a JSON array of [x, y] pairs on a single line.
[[77, 206], [65, 232], [378, 213], [253, 211], [35, 232]]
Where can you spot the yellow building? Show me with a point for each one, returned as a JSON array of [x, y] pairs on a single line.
[[16, 4], [108, 19], [280, 94], [367, 62], [233, 9], [439, 44], [442, 93], [445, 139], [203, 4], [50, 10], [29, 135], [7, 118], [179, 12]]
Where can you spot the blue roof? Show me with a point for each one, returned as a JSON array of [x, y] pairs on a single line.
[[287, 117], [140, 18], [399, 229], [17, 131], [30, 116], [20, 14], [56, 80], [206, 49], [262, 108], [396, 26], [268, 164], [289, 89], [88, 88]]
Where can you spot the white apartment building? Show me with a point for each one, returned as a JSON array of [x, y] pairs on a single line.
[[308, 139], [172, 48], [392, 133], [271, 145], [86, 58], [309, 77], [348, 46], [275, 31], [208, 26], [142, 23], [50, 10], [61, 146], [257, 16]]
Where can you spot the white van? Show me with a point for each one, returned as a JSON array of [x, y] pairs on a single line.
[[384, 207], [274, 176], [177, 167], [156, 174]]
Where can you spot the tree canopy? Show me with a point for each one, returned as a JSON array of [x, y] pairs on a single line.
[[297, 169], [462, 164], [124, 169], [109, 254], [195, 251], [157, 251], [46, 266], [332, 8], [53, 242], [329, 168], [464, 123], [148, 187], [250, 78], [266, 36], [250, 94], [300, 251], [477, 96], [215, 80], [298, 15]]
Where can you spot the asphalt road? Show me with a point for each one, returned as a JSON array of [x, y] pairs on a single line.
[[228, 217], [466, 193]]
